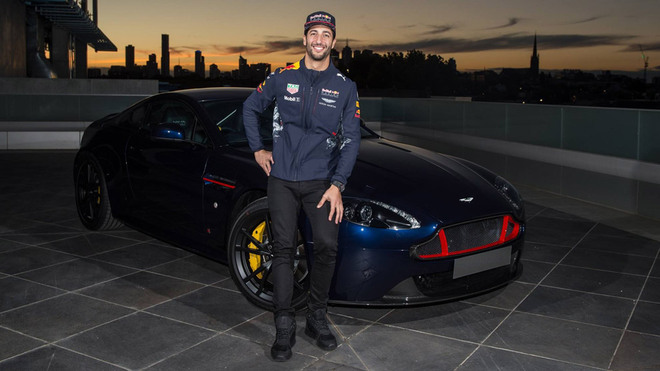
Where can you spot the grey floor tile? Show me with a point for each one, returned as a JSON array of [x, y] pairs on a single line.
[[209, 307], [59, 317], [534, 272], [456, 320], [142, 256], [651, 290], [604, 238], [630, 264], [556, 230], [411, 350], [7, 245], [55, 358], [130, 234], [544, 252], [579, 306], [637, 352], [507, 297], [347, 326], [566, 341], [137, 341], [486, 358], [225, 350], [16, 292], [195, 268], [326, 365], [140, 290], [30, 258], [365, 313], [655, 272], [77, 274], [532, 209], [51, 215], [342, 358], [646, 318], [87, 244], [13, 343], [596, 281]]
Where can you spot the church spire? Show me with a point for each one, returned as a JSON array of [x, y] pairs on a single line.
[[534, 63]]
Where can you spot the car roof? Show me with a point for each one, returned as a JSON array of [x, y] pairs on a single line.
[[203, 94]]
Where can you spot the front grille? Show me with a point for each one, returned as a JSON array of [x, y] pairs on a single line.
[[468, 237]]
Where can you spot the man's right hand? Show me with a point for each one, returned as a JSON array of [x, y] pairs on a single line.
[[264, 159]]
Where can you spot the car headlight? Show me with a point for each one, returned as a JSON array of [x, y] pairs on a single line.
[[509, 192], [377, 214]]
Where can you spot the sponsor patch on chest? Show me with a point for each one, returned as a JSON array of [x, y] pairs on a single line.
[[292, 88], [329, 93]]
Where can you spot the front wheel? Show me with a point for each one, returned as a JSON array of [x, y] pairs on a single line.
[[92, 200], [250, 253]]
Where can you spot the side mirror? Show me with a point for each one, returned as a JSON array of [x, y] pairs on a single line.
[[168, 131]]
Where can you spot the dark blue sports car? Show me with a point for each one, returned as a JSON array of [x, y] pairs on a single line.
[[418, 226]]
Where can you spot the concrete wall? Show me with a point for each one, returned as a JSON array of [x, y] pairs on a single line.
[[53, 113], [12, 38]]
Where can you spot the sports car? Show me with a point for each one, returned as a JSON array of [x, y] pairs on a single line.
[[418, 226]]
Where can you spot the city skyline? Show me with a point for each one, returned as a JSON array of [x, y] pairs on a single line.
[[593, 35]]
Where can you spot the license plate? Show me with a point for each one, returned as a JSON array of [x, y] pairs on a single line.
[[484, 261]]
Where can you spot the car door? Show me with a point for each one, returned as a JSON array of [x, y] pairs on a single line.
[[166, 173]]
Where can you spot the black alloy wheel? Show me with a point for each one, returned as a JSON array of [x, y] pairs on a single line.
[[92, 200], [250, 253]]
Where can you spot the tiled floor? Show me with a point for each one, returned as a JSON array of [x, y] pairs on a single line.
[[589, 298]]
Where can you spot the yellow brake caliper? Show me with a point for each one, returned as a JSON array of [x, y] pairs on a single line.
[[255, 259]]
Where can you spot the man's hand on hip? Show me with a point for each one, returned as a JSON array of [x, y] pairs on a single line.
[[264, 159], [333, 196]]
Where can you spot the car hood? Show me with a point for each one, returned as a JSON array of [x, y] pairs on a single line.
[[430, 186]]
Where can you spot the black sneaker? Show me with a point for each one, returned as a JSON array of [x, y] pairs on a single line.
[[317, 328], [285, 338]]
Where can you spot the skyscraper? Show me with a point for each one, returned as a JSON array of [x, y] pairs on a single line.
[[165, 55], [243, 68], [534, 63], [130, 56], [152, 66], [200, 68], [347, 55]]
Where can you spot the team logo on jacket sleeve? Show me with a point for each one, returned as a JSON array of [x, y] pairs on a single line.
[[357, 109]]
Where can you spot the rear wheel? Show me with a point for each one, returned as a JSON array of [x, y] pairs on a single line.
[[250, 253], [92, 199]]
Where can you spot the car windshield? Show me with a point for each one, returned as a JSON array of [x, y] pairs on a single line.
[[228, 118]]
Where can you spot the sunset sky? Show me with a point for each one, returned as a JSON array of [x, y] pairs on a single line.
[[478, 34]]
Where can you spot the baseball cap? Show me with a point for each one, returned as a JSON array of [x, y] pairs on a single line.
[[322, 18]]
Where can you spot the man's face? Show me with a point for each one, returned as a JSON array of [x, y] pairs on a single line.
[[318, 42]]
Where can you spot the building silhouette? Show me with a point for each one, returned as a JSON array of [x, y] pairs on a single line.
[[152, 67], [243, 68], [347, 55], [130, 56], [534, 62], [214, 71], [165, 55], [200, 68]]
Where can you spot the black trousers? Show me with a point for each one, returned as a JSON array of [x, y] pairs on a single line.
[[285, 200]]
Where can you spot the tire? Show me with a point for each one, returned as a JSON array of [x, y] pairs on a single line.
[[92, 201], [249, 255]]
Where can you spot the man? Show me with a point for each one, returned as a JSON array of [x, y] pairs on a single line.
[[316, 135]]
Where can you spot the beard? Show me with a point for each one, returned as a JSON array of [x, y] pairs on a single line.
[[317, 56]]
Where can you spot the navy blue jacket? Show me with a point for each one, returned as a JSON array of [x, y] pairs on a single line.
[[316, 125]]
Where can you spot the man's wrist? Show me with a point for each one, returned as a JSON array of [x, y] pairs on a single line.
[[339, 185]]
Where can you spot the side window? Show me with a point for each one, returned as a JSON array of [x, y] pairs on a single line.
[[199, 135], [134, 117], [172, 112]]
